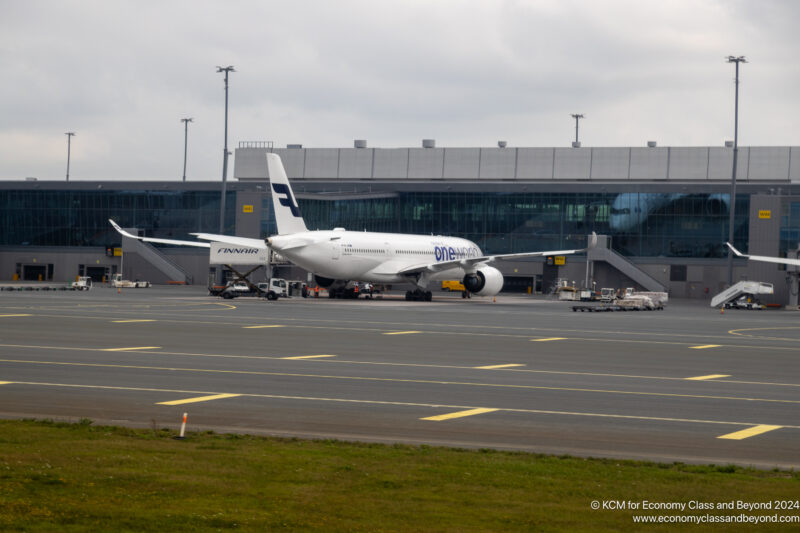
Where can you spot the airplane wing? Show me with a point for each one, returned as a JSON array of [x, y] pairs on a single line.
[[161, 241], [236, 241], [471, 261], [765, 258]]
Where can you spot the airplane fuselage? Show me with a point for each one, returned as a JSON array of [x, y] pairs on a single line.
[[374, 257]]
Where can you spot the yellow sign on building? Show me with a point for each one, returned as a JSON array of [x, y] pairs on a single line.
[[560, 260], [765, 213], [247, 209]]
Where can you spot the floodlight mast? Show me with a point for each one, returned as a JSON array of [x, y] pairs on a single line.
[[577, 117], [732, 202], [227, 70], [69, 135], [186, 122]]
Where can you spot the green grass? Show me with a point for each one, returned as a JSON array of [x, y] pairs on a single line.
[[78, 477]]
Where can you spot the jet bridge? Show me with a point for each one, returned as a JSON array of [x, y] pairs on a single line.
[[741, 289]]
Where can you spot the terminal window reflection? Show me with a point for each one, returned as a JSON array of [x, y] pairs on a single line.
[[80, 218], [640, 224]]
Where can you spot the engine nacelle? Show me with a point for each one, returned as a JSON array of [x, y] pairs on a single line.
[[486, 281]]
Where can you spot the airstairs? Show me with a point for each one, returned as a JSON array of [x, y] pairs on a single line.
[[740, 289], [157, 259], [602, 252]]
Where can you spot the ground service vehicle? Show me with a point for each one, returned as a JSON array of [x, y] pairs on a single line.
[[84, 283], [274, 289], [117, 281]]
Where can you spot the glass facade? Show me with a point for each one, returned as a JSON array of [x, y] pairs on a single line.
[[80, 218], [790, 227], [640, 224]]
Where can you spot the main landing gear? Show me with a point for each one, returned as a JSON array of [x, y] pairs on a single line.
[[419, 296]]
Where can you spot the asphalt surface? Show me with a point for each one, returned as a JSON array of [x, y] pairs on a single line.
[[520, 373]]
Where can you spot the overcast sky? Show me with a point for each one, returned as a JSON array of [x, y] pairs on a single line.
[[467, 73]]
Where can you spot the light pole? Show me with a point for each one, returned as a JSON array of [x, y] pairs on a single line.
[[732, 210], [69, 135], [227, 70], [577, 117], [186, 122]]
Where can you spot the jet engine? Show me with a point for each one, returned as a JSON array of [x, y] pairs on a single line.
[[485, 281]]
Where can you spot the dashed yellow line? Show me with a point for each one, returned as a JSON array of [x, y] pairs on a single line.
[[401, 380], [494, 367], [402, 332], [751, 432], [549, 339], [132, 320], [131, 348], [199, 399], [710, 376], [6, 382], [403, 404], [459, 414], [307, 356], [703, 347], [9, 316]]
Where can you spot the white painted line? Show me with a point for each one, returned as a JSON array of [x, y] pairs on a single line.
[[7, 316], [259, 327], [130, 321], [402, 332], [493, 367], [549, 339]]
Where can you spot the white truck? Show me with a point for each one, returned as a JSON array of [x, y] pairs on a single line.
[[117, 281], [272, 290], [84, 283]]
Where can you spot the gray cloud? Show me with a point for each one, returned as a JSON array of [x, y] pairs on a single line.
[[122, 74]]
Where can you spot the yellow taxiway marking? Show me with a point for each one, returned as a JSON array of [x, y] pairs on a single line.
[[549, 339], [389, 364], [307, 356], [493, 367], [710, 376], [131, 348], [259, 327], [199, 399], [402, 404], [459, 414], [6, 382], [401, 332], [7, 316], [703, 347], [751, 432], [401, 380], [133, 320]]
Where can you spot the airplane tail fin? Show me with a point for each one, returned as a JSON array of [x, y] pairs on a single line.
[[287, 212]]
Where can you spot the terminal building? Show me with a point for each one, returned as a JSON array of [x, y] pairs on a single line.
[[662, 213]]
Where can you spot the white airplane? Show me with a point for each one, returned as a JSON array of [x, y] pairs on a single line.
[[765, 258], [337, 256]]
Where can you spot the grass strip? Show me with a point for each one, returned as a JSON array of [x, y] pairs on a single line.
[[81, 477]]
